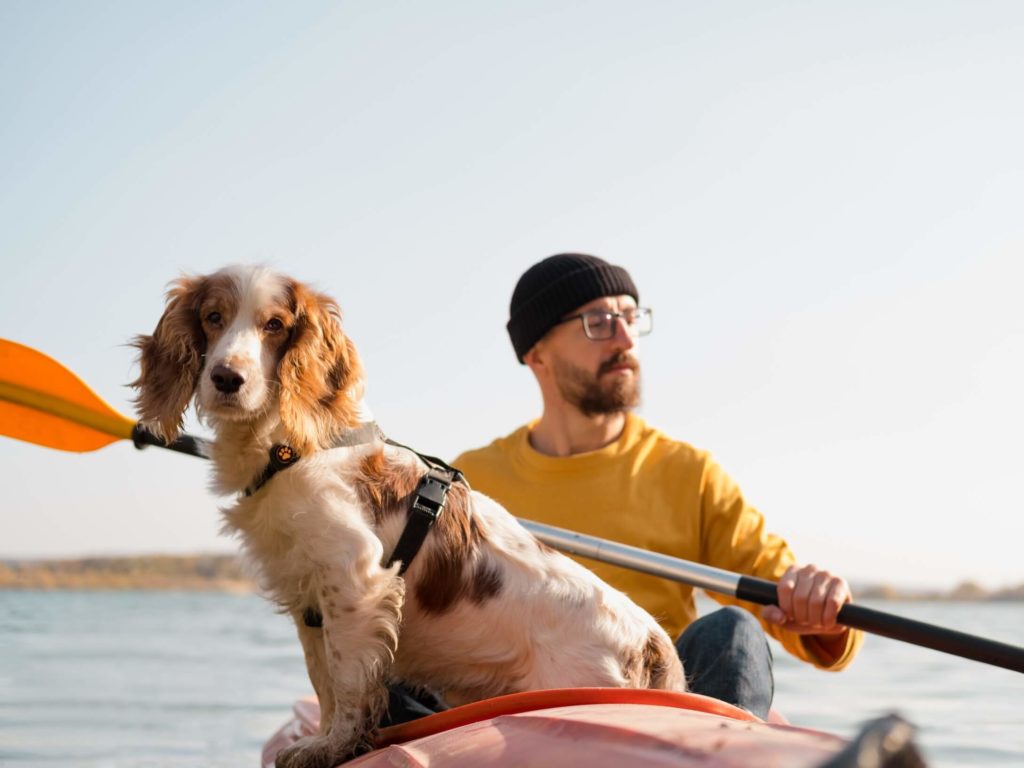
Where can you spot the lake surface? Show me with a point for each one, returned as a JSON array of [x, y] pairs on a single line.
[[151, 679]]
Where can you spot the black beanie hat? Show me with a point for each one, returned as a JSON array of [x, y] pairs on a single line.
[[555, 286]]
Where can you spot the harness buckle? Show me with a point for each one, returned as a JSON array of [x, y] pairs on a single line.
[[427, 506], [432, 491]]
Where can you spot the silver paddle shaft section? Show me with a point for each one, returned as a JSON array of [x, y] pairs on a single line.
[[636, 559], [764, 593]]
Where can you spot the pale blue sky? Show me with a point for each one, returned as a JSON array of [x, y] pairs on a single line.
[[821, 201]]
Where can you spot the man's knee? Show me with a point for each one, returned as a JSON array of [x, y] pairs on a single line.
[[726, 655], [737, 621], [722, 628]]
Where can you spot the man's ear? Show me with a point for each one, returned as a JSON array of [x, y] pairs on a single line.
[[536, 359]]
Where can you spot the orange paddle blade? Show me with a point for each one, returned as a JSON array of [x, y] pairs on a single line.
[[42, 402]]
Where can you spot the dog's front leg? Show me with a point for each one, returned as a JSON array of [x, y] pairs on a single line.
[[361, 611], [316, 666]]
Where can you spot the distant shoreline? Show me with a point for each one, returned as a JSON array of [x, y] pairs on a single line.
[[224, 573], [199, 573]]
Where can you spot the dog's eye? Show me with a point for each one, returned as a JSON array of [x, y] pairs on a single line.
[[273, 325], [213, 318]]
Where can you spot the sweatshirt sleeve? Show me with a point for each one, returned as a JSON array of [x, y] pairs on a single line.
[[733, 537]]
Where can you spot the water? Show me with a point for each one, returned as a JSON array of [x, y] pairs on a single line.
[[149, 679], [143, 678], [967, 713]]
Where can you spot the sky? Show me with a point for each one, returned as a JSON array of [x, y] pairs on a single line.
[[820, 201]]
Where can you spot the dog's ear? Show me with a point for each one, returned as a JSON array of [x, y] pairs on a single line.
[[171, 359], [320, 374]]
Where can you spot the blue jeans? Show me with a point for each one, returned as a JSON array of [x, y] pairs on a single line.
[[725, 655]]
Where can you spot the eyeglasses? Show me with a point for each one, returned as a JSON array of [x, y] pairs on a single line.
[[599, 324]]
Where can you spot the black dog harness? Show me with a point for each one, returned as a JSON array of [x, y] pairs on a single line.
[[427, 503]]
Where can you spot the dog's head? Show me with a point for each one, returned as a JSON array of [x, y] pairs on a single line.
[[247, 342]]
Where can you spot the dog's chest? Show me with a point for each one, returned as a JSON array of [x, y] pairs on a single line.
[[304, 519]]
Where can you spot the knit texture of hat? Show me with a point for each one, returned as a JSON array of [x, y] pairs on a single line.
[[552, 288]]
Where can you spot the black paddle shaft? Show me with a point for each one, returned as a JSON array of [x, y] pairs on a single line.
[[193, 446], [942, 639]]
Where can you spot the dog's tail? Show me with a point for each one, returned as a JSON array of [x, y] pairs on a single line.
[[660, 664]]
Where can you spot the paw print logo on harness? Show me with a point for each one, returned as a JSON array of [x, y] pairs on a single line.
[[285, 454]]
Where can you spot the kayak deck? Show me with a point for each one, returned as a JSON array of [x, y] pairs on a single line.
[[595, 727]]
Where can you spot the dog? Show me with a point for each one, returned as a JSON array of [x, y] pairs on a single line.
[[483, 609]]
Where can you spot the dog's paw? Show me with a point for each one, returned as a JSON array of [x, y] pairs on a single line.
[[312, 752]]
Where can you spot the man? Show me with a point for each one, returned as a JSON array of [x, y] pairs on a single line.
[[589, 464]]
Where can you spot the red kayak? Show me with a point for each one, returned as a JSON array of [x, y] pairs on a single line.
[[593, 727]]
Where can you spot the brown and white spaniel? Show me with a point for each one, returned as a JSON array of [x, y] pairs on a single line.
[[484, 609]]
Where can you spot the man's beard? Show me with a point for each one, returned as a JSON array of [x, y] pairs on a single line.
[[593, 397]]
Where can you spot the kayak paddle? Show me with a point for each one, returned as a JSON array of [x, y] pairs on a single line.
[[763, 592], [42, 402]]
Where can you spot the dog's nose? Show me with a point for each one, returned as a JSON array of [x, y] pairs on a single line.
[[226, 380]]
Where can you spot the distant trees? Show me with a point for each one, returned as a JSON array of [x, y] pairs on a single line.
[[967, 591], [172, 572], [224, 573]]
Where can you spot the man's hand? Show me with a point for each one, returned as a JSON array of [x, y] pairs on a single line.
[[809, 601]]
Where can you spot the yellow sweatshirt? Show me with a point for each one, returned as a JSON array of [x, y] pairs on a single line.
[[653, 492]]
